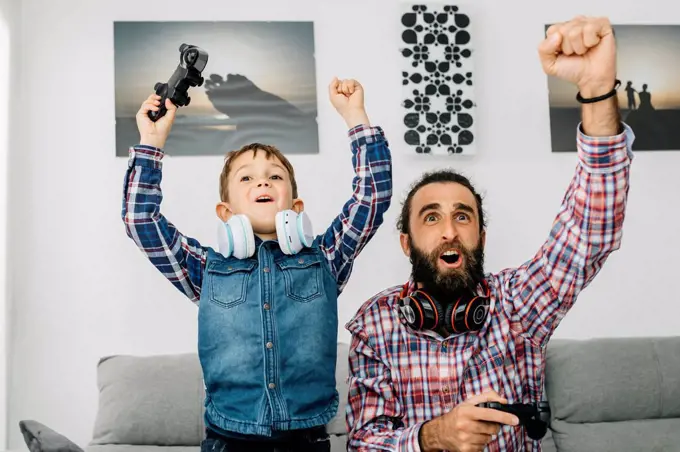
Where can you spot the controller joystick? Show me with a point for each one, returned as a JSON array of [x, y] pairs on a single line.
[[192, 62], [534, 417]]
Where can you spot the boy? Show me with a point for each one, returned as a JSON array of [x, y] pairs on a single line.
[[268, 322]]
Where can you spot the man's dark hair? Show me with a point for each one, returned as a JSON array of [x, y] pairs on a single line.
[[431, 178]]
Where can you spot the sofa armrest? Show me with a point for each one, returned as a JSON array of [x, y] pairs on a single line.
[[40, 438]]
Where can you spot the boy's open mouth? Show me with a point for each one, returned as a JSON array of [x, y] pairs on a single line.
[[264, 198]]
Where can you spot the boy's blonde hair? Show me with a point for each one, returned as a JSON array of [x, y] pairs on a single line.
[[270, 151]]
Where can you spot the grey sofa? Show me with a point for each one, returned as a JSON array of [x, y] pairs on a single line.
[[605, 394]]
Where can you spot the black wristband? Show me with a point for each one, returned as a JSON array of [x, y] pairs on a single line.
[[611, 93]]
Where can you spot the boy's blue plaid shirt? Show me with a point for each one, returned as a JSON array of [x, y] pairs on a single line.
[[181, 259]]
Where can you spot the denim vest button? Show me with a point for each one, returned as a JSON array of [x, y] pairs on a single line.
[[270, 345], [266, 269], [272, 385], [266, 306]]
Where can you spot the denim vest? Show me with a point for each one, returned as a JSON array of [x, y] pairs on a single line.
[[267, 340]]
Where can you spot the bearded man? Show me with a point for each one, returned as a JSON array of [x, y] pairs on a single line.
[[425, 354]]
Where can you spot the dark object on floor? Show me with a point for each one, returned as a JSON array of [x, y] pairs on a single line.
[[40, 438]]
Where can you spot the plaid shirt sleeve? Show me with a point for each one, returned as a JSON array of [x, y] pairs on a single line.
[[364, 212], [179, 258], [374, 411], [586, 230]]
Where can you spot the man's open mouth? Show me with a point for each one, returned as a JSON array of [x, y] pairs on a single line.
[[450, 257]]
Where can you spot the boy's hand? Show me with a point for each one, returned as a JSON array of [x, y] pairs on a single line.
[[155, 133], [347, 96]]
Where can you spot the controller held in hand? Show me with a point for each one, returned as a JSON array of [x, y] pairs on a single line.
[[192, 62], [535, 417]]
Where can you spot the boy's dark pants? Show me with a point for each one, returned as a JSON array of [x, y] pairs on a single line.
[[309, 440]]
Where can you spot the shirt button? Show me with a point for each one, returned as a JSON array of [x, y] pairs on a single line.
[[266, 306], [445, 389], [272, 385], [270, 345], [266, 269]]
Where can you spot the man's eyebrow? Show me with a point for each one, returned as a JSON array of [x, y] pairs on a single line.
[[430, 206], [457, 206], [464, 207]]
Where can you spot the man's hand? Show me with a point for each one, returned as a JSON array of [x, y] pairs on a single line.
[[466, 428], [347, 96], [155, 133], [581, 51]]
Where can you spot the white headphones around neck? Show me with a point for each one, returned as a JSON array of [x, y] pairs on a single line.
[[236, 237]]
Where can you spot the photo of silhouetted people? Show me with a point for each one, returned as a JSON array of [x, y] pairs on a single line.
[[630, 93], [648, 60], [259, 84]]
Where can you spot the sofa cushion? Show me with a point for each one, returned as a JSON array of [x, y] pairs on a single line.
[[614, 379], [659, 435], [158, 400], [151, 400], [127, 448], [337, 425], [618, 394]]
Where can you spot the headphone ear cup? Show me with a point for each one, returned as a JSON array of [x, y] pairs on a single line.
[[243, 239], [421, 311], [225, 239], [467, 315], [286, 233], [281, 232], [304, 229], [294, 231]]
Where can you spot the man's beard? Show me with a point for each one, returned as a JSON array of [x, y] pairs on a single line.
[[451, 283]]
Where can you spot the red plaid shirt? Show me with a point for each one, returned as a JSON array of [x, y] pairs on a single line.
[[400, 378]]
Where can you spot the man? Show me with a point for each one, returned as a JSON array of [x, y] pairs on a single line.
[[418, 370]]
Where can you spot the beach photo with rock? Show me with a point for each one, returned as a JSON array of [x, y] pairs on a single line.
[[260, 84]]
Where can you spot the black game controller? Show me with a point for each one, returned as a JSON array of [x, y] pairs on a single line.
[[192, 61], [535, 417]]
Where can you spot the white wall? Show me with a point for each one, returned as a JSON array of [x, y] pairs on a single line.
[[10, 18], [4, 148], [82, 290]]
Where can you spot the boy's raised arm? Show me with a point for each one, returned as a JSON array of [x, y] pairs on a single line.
[[371, 196], [179, 258]]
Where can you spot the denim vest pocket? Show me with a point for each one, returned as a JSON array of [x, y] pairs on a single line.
[[302, 276], [229, 281]]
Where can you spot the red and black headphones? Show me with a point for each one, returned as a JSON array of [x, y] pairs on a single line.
[[423, 312]]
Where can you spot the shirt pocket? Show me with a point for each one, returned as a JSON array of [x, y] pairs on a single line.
[[485, 367], [302, 276], [229, 282]]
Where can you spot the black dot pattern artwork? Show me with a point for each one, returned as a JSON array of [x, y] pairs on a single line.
[[437, 80]]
